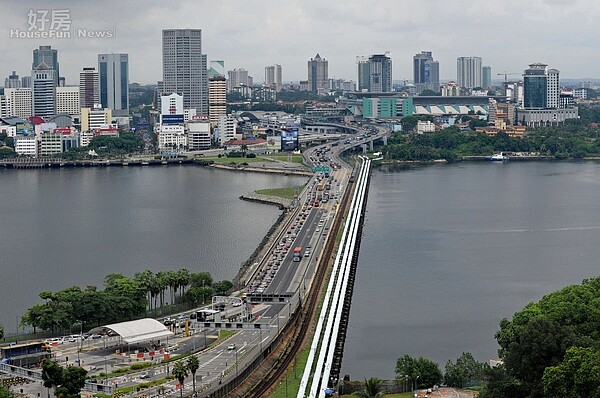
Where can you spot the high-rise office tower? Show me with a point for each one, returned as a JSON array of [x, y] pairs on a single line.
[[426, 72], [318, 79], [12, 81], [184, 68], [541, 87], [45, 55], [468, 72], [380, 73], [89, 95], [273, 77], [43, 93], [26, 82], [363, 73], [486, 77], [113, 76], [217, 98]]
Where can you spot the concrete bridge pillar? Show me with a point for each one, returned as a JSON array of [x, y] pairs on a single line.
[[364, 147], [385, 140], [371, 145]]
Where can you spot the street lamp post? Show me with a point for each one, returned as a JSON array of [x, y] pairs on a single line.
[[236, 364], [415, 386]]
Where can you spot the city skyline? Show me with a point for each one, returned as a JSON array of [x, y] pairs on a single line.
[[297, 31]]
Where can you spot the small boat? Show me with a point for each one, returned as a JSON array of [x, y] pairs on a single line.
[[498, 157]]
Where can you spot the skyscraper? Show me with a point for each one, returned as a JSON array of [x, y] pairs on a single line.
[[273, 77], [237, 78], [113, 73], [541, 87], [364, 78], [217, 98], [486, 77], [468, 72], [318, 79], [88, 88], [184, 68], [426, 72], [380, 73], [12, 81], [45, 55], [43, 93]]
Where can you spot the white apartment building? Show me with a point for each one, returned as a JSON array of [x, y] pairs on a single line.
[[171, 138], [227, 128], [68, 100], [199, 136], [85, 137], [26, 145]]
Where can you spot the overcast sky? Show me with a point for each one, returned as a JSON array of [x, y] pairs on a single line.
[[252, 34]]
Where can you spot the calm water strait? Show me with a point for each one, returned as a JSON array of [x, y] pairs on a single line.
[[450, 250], [68, 227]]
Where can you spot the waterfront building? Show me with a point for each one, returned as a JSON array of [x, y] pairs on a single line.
[[89, 92], [12, 81], [217, 98], [171, 138], [227, 129], [273, 77], [113, 75], [43, 91], [468, 72], [26, 145], [199, 136], [50, 142], [93, 119], [171, 105], [486, 77], [542, 104], [185, 68], [318, 78], [46, 57], [67, 100]]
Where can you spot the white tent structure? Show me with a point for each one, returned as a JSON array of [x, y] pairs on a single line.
[[139, 331]]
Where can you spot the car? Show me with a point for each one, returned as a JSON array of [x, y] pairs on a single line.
[[237, 304], [231, 347], [144, 375], [54, 341], [95, 336]]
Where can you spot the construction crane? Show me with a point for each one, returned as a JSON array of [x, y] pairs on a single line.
[[505, 74]]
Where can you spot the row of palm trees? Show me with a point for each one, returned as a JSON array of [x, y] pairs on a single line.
[[175, 282]]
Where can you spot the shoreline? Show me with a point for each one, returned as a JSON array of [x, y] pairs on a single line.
[[484, 159]]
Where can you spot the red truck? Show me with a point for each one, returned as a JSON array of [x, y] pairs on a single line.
[[297, 253]]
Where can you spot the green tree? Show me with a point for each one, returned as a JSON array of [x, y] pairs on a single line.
[[1, 331], [465, 372], [193, 364], [52, 374], [421, 370], [222, 287], [73, 381], [201, 279], [4, 393], [180, 371], [371, 390], [577, 376]]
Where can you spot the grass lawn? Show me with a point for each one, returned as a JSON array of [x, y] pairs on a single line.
[[225, 160], [293, 378], [286, 193], [284, 157]]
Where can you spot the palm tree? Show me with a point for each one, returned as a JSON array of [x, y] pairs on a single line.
[[180, 371], [371, 390], [193, 365]]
